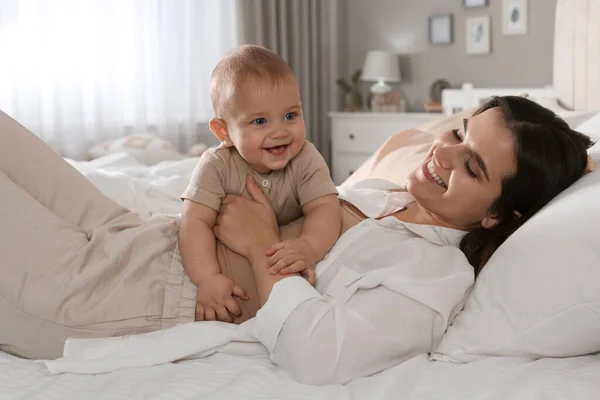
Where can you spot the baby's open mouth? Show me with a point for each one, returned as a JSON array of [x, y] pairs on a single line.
[[277, 150]]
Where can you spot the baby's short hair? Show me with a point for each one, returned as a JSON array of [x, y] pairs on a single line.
[[245, 63]]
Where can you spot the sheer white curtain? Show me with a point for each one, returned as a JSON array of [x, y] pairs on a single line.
[[77, 72]]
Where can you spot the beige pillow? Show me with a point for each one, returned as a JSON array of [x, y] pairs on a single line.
[[404, 151]]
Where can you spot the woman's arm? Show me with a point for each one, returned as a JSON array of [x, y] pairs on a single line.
[[322, 341], [264, 280], [250, 228], [320, 230], [330, 338], [322, 224]]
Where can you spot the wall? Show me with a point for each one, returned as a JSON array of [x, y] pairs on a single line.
[[402, 26]]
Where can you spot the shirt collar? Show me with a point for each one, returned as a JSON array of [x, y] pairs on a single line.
[[440, 235]]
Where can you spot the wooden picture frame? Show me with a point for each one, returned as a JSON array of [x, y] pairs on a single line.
[[475, 3], [440, 29], [478, 35], [515, 17]]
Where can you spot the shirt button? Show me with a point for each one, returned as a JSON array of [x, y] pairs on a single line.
[[265, 183]]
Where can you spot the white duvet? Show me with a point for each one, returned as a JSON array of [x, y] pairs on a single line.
[[145, 189], [224, 375]]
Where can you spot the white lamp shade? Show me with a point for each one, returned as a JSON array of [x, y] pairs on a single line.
[[381, 66]]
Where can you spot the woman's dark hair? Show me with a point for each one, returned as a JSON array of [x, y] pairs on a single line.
[[550, 157]]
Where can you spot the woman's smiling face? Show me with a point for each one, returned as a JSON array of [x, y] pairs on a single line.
[[463, 173]]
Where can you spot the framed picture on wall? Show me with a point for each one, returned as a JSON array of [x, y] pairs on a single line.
[[475, 3], [478, 35], [440, 29], [514, 17]]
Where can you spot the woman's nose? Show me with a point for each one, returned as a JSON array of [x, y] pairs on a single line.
[[443, 156]]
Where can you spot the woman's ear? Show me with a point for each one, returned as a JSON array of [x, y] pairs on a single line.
[[489, 222], [590, 167], [219, 129], [492, 220]]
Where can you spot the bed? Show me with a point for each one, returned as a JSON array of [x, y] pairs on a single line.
[[155, 189]]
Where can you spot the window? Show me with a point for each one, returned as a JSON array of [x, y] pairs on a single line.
[[80, 71]]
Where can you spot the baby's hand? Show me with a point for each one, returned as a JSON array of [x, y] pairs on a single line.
[[292, 256], [214, 299]]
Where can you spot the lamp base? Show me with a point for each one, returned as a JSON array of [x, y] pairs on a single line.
[[380, 87], [387, 102]]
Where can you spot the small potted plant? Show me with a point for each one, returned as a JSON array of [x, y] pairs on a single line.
[[352, 97]]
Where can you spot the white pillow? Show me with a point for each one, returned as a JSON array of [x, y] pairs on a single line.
[[576, 118], [591, 127], [539, 295], [573, 118]]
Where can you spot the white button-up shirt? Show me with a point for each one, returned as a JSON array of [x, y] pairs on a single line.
[[386, 292]]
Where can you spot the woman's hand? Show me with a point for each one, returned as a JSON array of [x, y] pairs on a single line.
[[245, 225]]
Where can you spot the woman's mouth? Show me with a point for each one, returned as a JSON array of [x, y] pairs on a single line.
[[277, 150], [430, 174]]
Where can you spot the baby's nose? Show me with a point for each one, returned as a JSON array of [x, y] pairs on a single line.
[[278, 133]]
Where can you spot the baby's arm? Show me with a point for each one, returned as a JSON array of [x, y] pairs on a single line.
[[322, 224], [321, 229], [197, 245]]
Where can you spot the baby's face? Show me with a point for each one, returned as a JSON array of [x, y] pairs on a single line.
[[266, 125]]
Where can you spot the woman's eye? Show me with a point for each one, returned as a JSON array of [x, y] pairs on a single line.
[[470, 170], [290, 116], [259, 121], [456, 135]]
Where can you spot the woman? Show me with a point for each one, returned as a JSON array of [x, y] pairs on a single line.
[[389, 288], [75, 264]]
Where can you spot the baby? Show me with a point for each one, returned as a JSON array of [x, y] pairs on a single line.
[[259, 121]]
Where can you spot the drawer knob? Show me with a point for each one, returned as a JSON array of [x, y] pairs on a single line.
[[351, 136]]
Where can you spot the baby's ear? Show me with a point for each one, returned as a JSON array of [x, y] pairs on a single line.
[[219, 129]]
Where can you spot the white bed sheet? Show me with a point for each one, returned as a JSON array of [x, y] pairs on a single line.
[[228, 377], [156, 189]]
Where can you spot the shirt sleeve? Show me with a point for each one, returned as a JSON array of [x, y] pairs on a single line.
[[320, 340], [206, 185], [313, 177]]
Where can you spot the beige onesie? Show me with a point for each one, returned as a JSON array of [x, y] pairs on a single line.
[[222, 170]]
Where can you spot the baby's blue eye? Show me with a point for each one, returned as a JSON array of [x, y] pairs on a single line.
[[290, 116], [259, 121]]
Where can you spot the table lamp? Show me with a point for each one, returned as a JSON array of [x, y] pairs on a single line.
[[381, 67]]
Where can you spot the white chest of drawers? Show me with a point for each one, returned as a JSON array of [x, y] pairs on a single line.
[[355, 136]]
